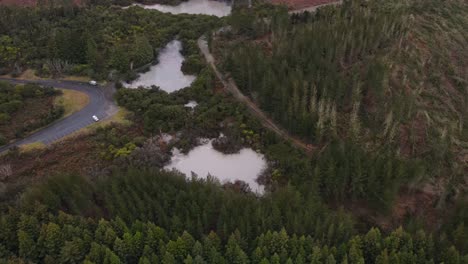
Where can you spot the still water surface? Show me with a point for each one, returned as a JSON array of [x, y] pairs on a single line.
[[204, 159], [167, 74], [205, 7]]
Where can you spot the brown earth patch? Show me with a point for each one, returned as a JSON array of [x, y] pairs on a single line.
[[265, 43], [218, 86], [79, 154], [410, 203], [417, 203], [413, 137], [74, 155]]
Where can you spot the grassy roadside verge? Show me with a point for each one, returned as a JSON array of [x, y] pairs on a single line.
[[36, 146], [30, 75], [119, 118], [72, 101]]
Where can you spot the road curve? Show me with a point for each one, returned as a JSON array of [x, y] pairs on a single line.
[[100, 104], [231, 87]]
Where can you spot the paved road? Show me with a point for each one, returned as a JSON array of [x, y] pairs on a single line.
[[100, 104], [231, 87]]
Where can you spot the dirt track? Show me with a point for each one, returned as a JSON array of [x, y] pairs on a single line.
[[231, 87]]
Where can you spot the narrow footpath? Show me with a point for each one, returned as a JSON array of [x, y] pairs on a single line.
[[231, 87]]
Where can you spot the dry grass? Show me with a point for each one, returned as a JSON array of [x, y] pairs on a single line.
[[76, 78], [120, 118], [29, 74], [36, 146], [72, 101]]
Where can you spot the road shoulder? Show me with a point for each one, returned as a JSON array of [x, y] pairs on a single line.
[[71, 100]]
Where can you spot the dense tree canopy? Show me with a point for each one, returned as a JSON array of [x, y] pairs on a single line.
[[159, 217], [356, 80], [350, 72], [338, 78], [92, 41]]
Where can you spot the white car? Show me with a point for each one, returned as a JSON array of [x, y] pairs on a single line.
[[93, 83], [95, 118]]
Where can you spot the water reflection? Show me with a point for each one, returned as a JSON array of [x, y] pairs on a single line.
[[205, 7], [203, 160], [167, 73]]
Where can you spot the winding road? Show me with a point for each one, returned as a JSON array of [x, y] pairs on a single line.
[[231, 87], [100, 104]]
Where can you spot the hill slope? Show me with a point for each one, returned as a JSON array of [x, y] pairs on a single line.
[[383, 79]]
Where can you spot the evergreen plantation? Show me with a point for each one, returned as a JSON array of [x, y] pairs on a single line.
[[157, 217], [378, 88], [385, 78], [375, 84]]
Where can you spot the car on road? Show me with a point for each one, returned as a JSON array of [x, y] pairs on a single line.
[[95, 118], [93, 83]]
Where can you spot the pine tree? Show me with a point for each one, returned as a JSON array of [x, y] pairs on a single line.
[[275, 259], [92, 53], [316, 255], [168, 259], [50, 239], [331, 259], [382, 258], [27, 246], [188, 260], [355, 252]]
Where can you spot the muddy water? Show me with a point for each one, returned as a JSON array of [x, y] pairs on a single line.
[[167, 73], [205, 7], [203, 160]]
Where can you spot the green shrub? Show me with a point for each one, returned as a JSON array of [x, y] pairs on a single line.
[[193, 65], [4, 118], [3, 140], [11, 106]]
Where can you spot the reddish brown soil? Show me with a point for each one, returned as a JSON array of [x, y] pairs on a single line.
[[410, 202], [415, 203], [413, 137], [218, 86], [265, 43], [298, 4], [18, 2], [80, 154], [28, 2], [74, 155]]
